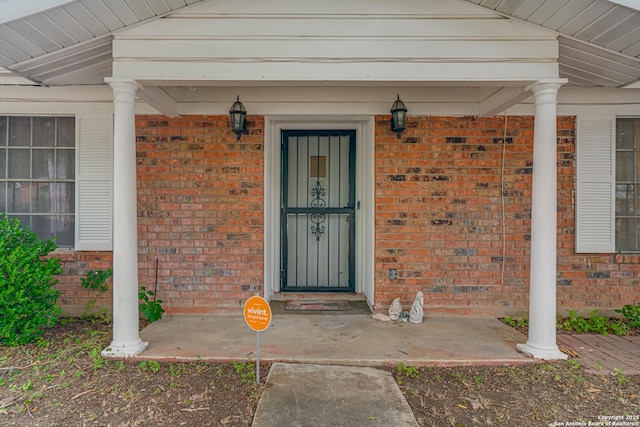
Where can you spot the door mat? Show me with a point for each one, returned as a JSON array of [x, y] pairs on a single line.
[[317, 305]]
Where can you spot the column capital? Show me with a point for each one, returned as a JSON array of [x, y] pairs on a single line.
[[546, 90], [126, 88], [546, 84]]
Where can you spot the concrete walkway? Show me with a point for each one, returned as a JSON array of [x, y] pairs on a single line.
[[315, 391], [336, 339], [321, 395]]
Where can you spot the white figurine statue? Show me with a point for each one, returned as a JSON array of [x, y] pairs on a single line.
[[395, 309], [416, 313]]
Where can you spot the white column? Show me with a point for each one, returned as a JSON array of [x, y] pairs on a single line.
[[126, 337], [541, 343]]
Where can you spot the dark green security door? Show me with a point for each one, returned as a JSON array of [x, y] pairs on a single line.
[[318, 210]]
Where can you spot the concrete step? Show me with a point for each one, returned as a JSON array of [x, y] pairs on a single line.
[[328, 296]]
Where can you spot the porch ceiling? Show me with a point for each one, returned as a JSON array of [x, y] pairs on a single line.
[[599, 39], [68, 42]]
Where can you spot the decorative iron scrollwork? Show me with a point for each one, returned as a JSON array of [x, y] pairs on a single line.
[[317, 230], [318, 192]]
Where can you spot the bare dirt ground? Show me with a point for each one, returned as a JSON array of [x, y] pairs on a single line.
[[61, 380], [559, 393]]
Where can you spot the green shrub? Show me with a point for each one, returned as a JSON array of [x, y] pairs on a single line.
[[96, 280], [28, 300], [593, 324], [151, 309], [631, 313], [521, 322]]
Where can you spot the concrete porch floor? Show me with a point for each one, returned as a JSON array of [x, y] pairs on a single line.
[[337, 339]]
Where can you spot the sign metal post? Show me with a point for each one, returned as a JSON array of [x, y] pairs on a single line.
[[257, 314]]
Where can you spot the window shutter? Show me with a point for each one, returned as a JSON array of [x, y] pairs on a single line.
[[94, 194], [595, 184]]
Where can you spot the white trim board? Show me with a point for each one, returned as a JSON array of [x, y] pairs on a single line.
[[365, 151]]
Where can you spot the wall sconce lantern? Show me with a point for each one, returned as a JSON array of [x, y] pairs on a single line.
[[398, 115], [238, 118]]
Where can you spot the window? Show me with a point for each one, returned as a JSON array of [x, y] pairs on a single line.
[[627, 183], [37, 174]]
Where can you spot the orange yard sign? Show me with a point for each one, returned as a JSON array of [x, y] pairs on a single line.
[[257, 313]]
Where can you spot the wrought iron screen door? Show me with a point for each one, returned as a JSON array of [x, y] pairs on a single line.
[[317, 210]]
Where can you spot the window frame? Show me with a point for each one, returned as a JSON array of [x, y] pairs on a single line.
[[635, 183], [32, 179]]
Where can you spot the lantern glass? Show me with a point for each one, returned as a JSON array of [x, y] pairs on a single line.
[[238, 122], [238, 118], [398, 116], [398, 120]]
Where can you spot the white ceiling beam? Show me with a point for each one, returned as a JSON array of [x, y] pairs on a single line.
[[10, 10], [9, 78], [631, 4], [632, 85], [160, 100], [501, 100]]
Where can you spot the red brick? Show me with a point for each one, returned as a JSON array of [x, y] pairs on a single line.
[[204, 152], [441, 227]]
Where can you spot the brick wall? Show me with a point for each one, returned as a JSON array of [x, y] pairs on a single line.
[[440, 193], [76, 265], [439, 210], [597, 281], [200, 211]]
